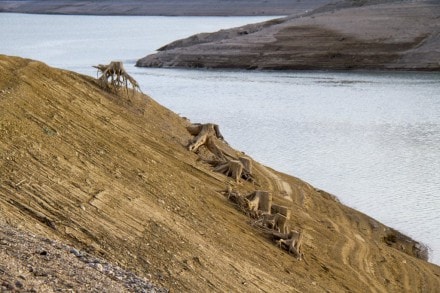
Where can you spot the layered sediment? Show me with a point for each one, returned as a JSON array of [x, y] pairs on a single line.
[[110, 175], [164, 7], [393, 36]]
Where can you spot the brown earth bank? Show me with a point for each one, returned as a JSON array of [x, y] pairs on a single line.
[[108, 177], [165, 7], [397, 35]]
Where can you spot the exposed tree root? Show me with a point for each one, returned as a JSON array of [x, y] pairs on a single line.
[[209, 135], [293, 243], [233, 168], [260, 201], [258, 205], [239, 201], [205, 134], [269, 218], [114, 77], [236, 169]]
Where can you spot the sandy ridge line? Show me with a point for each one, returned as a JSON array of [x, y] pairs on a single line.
[[354, 254]]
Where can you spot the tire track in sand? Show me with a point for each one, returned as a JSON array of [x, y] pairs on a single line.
[[278, 185], [351, 247]]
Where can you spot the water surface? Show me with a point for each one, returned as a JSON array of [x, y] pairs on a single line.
[[372, 139]]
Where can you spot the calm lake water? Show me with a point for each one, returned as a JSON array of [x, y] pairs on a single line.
[[372, 139]]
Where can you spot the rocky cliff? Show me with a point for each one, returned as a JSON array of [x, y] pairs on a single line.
[[108, 184], [399, 35]]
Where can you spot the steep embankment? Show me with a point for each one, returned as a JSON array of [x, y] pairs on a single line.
[[111, 175], [404, 35], [164, 7]]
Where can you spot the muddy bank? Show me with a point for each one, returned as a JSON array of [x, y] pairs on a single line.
[[392, 36]]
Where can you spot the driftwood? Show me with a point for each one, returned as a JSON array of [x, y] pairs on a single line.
[[114, 77]]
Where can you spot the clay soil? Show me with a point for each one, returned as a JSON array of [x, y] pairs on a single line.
[[106, 184]]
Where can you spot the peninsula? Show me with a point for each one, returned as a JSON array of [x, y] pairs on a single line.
[[371, 35]]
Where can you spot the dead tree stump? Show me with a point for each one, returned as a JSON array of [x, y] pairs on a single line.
[[114, 77], [261, 199], [205, 134], [247, 164], [239, 200], [293, 243], [270, 218], [233, 168], [208, 135], [283, 210]]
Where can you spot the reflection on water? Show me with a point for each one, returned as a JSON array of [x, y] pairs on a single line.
[[371, 138]]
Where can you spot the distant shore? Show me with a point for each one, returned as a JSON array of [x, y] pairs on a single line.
[[164, 7], [391, 36]]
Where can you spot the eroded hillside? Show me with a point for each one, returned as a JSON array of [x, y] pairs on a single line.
[[385, 35], [112, 175]]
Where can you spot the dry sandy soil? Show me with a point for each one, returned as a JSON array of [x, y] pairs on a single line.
[[396, 35], [164, 7], [110, 175]]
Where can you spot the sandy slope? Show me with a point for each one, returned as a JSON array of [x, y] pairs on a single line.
[[403, 35], [111, 175]]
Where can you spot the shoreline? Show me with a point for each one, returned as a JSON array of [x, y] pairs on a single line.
[[112, 175], [164, 8], [391, 36]]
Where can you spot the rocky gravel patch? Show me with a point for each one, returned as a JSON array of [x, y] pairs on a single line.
[[29, 263]]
